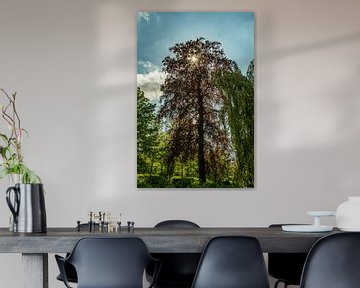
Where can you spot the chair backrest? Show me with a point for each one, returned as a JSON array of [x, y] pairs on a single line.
[[110, 262], [333, 262], [178, 269], [232, 262], [176, 224]]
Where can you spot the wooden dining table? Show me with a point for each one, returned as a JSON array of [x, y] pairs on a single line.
[[35, 247]]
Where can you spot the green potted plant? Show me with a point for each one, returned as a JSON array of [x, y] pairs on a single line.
[[25, 197], [11, 158]]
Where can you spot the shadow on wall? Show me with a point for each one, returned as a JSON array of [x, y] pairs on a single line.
[[307, 120], [310, 47]]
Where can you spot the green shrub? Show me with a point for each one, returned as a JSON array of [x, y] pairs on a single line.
[[151, 181], [185, 182]]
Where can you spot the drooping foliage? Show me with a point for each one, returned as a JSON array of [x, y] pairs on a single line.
[[238, 94]]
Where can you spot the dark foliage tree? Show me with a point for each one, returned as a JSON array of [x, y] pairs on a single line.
[[191, 104], [147, 133]]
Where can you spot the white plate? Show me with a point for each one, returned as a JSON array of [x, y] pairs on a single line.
[[321, 213], [306, 228]]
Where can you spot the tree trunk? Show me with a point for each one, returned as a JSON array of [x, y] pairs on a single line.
[[201, 148]]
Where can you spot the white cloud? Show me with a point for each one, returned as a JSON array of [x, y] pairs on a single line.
[[143, 16], [147, 66], [150, 83]]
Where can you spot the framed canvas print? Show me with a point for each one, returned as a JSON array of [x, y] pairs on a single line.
[[195, 100]]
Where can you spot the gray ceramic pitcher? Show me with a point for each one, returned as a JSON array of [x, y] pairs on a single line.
[[27, 207]]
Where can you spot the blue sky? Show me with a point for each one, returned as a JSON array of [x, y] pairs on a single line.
[[158, 31]]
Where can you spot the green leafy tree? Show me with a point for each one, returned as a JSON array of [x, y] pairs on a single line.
[[238, 94], [250, 72], [147, 133], [191, 104]]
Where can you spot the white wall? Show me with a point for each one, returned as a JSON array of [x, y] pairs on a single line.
[[73, 64]]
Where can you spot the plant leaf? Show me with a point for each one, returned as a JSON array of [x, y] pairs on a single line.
[[4, 173]]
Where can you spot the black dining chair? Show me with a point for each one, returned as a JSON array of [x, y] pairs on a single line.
[[286, 267], [70, 271], [232, 262], [178, 269], [333, 262], [108, 263]]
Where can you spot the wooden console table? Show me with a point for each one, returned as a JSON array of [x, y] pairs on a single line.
[[35, 247]]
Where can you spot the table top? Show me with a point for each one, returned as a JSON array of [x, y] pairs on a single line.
[[158, 240]]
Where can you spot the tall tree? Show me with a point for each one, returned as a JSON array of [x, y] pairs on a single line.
[[147, 133], [238, 93], [191, 102]]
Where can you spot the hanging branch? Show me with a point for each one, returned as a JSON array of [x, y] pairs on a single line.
[[11, 155]]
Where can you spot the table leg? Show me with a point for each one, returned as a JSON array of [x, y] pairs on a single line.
[[35, 270]]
